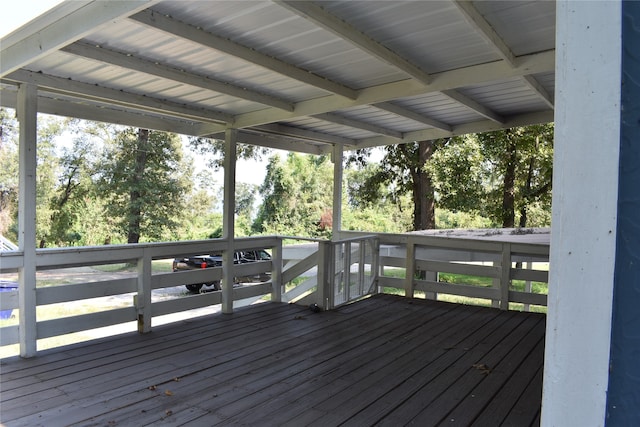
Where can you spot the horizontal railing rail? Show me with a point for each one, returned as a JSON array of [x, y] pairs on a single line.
[[424, 262], [304, 271]]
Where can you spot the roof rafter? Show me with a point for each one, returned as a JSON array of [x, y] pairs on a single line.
[[126, 60], [78, 20], [197, 35], [539, 90], [358, 124], [279, 142], [473, 105], [409, 114], [485, 29], [527, 64], [96, 113], [118, 97], [321, 17], [280, 129], [473, 127]]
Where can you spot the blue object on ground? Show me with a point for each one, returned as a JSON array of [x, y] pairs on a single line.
[[7, 286]]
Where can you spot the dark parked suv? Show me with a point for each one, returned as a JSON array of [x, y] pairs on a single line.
[[215, 260]]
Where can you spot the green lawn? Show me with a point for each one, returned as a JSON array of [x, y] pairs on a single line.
[[462, 279]]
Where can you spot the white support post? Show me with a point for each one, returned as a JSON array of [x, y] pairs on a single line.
[[228, 219], [143, 298], [27, 116], [584, 215], [337, 191]]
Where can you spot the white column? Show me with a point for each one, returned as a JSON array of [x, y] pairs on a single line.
[[337, 156], [585, 189], [228, 219], [27, 116]]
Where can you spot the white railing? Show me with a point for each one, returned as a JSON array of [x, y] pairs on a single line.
[[140, 287], [422, 260], [315, 272]]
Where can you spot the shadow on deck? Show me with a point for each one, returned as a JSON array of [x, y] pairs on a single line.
[[385, 360]]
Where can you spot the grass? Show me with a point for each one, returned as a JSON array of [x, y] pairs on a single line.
[[462, 279]]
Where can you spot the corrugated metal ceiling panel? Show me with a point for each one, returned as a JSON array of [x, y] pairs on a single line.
[[295, 54]]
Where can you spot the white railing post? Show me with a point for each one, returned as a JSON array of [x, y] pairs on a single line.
[[276, 272], [527, 284], [410, 267], [362, 251], [346, 271], [325, 276], [143, 298], [505, 276]]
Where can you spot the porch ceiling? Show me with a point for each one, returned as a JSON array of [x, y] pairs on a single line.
[[299, 76]]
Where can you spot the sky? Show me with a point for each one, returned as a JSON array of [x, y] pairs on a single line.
[[21, 12]]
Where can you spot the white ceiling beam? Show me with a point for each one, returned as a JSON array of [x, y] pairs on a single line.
[[278, 142], [280, 129], [539, 90], [118, 97], [197, 35], [85, 111], [358, 124], [316, 14], [70, 22], [474, 75], [473, 105], [486, 30], [482, 27], [319, 16], [474, 127], [405, 112], [129, 61]]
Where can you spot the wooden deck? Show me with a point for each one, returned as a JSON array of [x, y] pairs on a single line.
[[385, 360]]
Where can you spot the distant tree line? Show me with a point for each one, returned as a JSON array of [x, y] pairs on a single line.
[[114, 184]]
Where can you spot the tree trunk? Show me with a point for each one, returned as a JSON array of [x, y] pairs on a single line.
[[526, 197], [424, 217], [509, 190], [135, 210]]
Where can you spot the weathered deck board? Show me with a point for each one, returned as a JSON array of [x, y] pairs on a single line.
[[384, 360]]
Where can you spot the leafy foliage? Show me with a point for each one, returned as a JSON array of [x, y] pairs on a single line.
[[214, 150], [503, 175], [115, 184], [143, 179], [296, 193], [8, 173]]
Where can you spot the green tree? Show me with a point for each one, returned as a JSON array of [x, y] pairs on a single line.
[[385, 213], [144, 180], [214, 150], [47, 172], [503, 175], [8, 173], [296, 193], [401, 172]]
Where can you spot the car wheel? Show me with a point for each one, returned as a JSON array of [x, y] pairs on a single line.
[[194, 289]]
